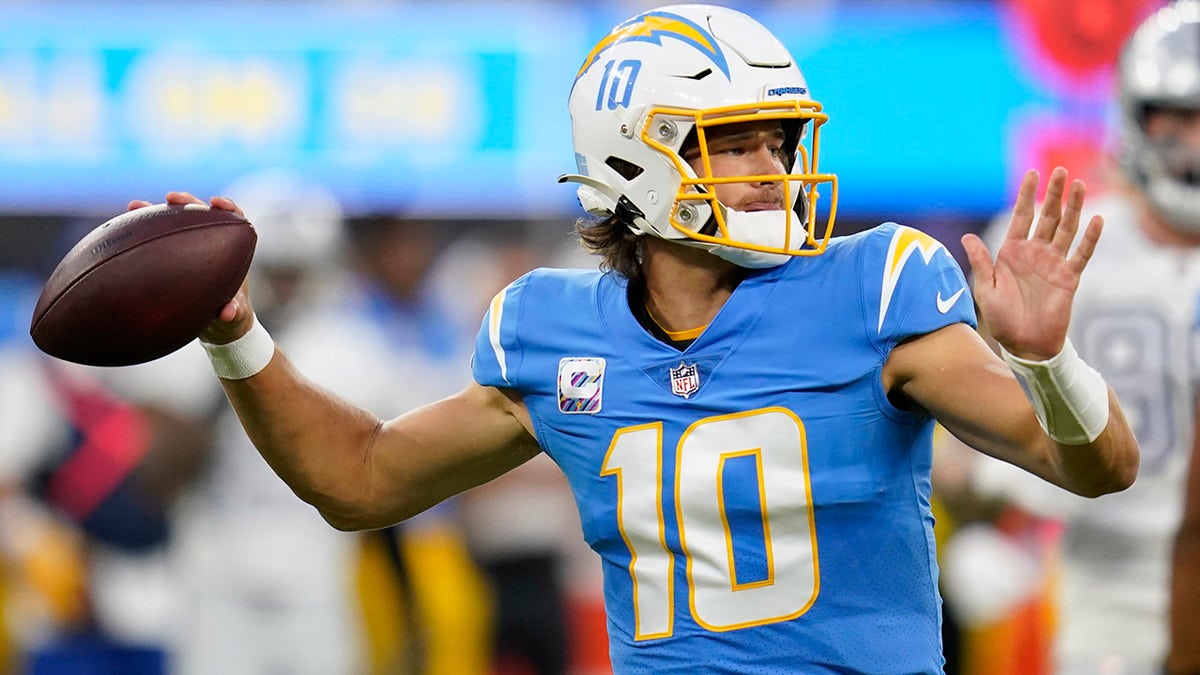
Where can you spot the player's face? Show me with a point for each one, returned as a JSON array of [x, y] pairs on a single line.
[[1173, 125], [745, 149], [1176, 133]]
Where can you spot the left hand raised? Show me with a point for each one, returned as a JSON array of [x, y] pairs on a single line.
[[1024, 296]]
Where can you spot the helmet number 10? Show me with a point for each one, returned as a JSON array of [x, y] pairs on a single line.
[[616, 85]]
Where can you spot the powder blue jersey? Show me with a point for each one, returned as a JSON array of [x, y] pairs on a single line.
[[759, 505]]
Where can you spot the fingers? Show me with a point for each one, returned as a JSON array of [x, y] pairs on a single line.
[[233, 319], [182, 198], [229, 311], [227, 204], [982, 271], [172, 198], [1087, 244], [1069, 224], [224, 203], [1052, 207], [1057, 221], [1022, 216]]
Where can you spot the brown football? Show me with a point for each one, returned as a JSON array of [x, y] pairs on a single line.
[[143, 284]]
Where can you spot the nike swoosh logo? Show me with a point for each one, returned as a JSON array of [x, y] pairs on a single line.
[[945, 305]]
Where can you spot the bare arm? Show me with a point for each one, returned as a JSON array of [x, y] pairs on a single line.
[[361, 472], [1024, 298], [358, 471], [953, 374], [1184, 654]]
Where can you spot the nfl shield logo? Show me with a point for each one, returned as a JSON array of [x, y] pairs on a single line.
[[685, 379]]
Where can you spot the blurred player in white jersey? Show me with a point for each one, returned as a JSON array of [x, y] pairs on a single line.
[[410, 339], [1135, 320], [269, 585]]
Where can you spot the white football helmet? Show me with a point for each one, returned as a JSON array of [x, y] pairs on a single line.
[[1160, 68], [301, 238], [299, 220], [667, 76]]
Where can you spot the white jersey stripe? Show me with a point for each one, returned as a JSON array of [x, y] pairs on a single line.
[[496, 316]]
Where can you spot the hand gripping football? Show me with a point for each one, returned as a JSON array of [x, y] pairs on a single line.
[[143, 284]]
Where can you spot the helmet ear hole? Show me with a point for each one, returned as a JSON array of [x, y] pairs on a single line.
[[627, 170]]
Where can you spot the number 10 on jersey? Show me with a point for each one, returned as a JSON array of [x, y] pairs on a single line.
[[721, 598]]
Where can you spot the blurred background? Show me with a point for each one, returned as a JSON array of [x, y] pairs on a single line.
[[420, 142]]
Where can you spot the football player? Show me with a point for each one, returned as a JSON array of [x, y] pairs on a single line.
[[742, 406]]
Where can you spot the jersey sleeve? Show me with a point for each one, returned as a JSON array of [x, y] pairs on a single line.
[[496, 361], [913, 286]]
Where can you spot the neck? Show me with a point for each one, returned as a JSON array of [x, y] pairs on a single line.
[[685, 286]]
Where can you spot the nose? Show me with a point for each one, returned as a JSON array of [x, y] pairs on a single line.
[[1174, 126], [765, 162]]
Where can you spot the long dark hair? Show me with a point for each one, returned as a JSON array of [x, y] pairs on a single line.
[[615, 242]]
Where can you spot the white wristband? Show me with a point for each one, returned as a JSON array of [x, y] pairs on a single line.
[[1069, 396], [244, 356]]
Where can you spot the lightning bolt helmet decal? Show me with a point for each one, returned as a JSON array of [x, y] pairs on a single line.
[[652, 27]]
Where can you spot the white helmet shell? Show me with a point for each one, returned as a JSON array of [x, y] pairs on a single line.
[[299, 220], [662, 78], [1160, 68]]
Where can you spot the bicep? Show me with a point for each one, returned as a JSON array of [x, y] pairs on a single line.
[[959, 380], [441, 449]]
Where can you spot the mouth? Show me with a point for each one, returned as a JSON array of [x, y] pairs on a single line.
[[762, 206]]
